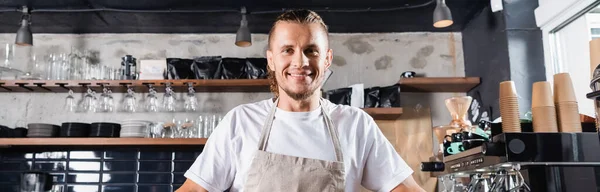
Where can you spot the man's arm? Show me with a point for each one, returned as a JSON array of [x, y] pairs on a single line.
[[408, 185], [191, 186]]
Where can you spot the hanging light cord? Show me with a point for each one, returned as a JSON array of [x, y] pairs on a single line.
[[369, 9]]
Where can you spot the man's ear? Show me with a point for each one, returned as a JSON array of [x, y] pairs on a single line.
[[270, 60], [329, 58]]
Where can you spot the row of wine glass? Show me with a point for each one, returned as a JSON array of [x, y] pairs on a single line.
[[105, 103]]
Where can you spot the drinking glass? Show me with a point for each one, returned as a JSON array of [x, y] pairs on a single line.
[[192, 128], [55, 63], [129, 103], [200, 123], [57, 66], [191, 102], [151, 104], [31, 69], [107, 73], [169, 103], [185, 128], [8, 55], [10, 65], [209, 123], [75, 65], [106, 100], [116, 74], [86, 65], [168, 130], [94, 71], [70, 104], [89, 101], [64, 66], [50, 59]]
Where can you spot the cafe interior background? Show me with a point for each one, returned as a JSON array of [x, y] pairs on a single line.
[[121, 95]]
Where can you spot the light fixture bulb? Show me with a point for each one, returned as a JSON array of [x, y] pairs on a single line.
[[442, 16], [243, 37], [24, 36]]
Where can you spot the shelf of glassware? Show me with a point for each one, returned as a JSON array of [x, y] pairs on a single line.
[[120, 86], [85, 141]]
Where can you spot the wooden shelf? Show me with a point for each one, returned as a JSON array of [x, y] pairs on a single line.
[[120, 86], [99, 141], [438, 84], [384, 113]]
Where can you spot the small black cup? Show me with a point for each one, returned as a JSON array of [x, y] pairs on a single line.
[[457, 137], [472, 143], [408, 74]]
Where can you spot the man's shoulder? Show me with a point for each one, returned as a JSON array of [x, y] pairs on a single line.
[[347, 111], [257, 107]]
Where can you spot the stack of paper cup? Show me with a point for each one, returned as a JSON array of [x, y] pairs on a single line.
[[509, 108], [542, 108], [566, 104]]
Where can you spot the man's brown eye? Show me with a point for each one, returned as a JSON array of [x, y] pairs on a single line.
[[288, 50], [312, 52]]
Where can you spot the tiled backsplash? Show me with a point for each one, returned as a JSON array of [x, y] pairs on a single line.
[[123, 170]]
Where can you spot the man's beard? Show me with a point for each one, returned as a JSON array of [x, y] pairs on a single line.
[[303, 95], [299, 96]]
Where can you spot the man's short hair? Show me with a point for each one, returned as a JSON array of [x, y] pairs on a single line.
[[301, 16]]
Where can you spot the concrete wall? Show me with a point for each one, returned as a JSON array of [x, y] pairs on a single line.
[[372, 59]]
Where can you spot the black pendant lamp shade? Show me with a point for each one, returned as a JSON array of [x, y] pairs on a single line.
[[24, 36], [442, 16], [243, 37]]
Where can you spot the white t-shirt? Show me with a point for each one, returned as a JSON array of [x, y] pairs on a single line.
[[369, 158]]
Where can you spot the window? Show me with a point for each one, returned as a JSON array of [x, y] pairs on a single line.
[[566, 44]]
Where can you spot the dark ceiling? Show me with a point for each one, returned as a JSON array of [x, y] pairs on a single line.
[[121, 21]]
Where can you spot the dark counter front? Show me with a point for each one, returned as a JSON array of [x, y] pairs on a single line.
[[101, 169]]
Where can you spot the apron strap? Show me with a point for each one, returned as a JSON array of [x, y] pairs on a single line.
[[333, 132], [266, 130]]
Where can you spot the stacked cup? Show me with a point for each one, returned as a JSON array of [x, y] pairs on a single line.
[[542, 108], [509, 108], [566, 104]]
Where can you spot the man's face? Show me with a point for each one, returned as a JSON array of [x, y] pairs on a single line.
[[299, 55]]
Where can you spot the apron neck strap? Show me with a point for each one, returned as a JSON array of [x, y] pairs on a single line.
[[266, 131]]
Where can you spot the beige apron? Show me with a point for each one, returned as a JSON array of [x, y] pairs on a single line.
[[275, 172]]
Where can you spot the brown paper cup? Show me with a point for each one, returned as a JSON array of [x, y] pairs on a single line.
[[541, 94], [563, 88], [507, 89], [594, 55], [509, 111], [544, 119], [568, 117]]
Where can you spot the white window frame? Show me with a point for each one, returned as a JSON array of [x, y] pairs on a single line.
[[551, 16]]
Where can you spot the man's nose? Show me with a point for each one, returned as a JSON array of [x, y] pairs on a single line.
[[300, 60]]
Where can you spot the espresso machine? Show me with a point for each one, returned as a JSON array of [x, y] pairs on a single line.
[[483, 157]]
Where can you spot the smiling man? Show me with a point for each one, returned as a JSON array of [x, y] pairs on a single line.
[[298, 141]]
